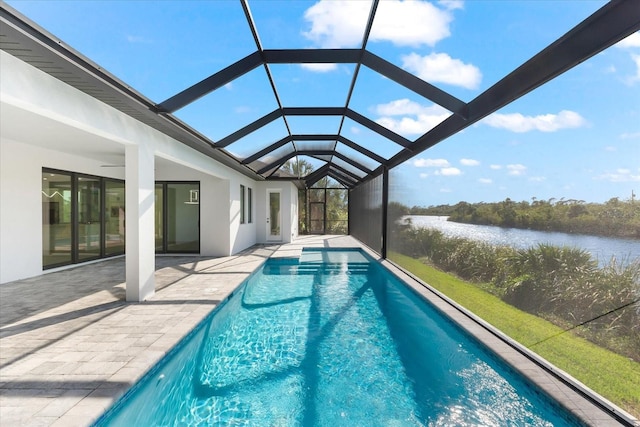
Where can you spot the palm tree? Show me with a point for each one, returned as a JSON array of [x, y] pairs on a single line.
[[298, 167]]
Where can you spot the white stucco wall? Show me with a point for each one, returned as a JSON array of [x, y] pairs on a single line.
[[214, 212], [46, 123], [242, 235], [293, 209], [21, 203], [288, 210]]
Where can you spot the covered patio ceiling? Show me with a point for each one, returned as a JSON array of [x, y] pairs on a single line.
[[347, 159]]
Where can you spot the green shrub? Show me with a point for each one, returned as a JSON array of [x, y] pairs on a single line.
[[560, 284]]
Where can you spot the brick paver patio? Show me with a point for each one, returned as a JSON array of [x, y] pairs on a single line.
[[70, 345]]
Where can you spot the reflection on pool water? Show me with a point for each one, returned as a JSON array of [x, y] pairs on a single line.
[[331, 339]]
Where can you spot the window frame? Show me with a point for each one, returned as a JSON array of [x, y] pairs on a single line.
[[249, 205], [242, 204]]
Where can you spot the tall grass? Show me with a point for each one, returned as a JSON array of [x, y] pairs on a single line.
[[561, 284], [614, 376]]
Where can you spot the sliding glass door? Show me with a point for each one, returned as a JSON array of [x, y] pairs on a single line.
[[82, 217], [57, 224], [177, 217], [89, 203], [114, 217]]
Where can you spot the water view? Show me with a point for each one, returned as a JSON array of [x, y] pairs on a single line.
[[601, 248]]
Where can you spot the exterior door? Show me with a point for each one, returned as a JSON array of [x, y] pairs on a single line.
[[177, 217], [274, 216], [316, 217]]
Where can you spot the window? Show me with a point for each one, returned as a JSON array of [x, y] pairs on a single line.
[[242, 218], [249, 205]]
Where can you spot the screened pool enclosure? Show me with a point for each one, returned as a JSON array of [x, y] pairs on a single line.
[[374, 122]]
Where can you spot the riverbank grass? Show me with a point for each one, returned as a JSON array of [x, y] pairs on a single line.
[[609, 374]]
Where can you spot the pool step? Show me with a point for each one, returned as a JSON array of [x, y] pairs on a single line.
[[317, 268]]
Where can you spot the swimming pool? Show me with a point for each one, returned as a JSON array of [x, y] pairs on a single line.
[[327, 340]]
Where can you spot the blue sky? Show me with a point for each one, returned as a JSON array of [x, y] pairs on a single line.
[[577, 137]]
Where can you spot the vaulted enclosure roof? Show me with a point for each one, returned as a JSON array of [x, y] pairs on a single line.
[[348, 158]]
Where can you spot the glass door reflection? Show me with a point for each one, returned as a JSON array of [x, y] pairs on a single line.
[[183, 217], [273, 219], [114, 217], [56, 219], [89, 202]]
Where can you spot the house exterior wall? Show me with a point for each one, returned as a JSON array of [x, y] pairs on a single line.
[[288, 209], [21, 202], [242, 235], [215, 215], [46, 123]]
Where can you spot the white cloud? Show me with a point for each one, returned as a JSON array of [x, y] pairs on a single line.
[[409, 23], [516, 122], [629, 42], [445, 190], [410, 126], [485, 181], [496, 167], [610, 148], [630, 135], [430, 163], [340, 23], [469, 162], [452, 4], [516, 169], [632, 42], [424, 175], [424, 118], [138, 39], [336, 24], [449, 171], [441, 68], [620, 175], [320, 68], [636, 77], [242, 109], [355, 130], [537, 178], [404, 106]]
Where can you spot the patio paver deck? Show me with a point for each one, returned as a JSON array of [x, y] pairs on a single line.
[[70, 345]]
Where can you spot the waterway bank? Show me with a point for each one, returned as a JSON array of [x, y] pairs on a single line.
[[601, 248]]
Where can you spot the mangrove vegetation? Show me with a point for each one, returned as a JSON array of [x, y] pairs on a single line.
[[614, 218], [560, 284]]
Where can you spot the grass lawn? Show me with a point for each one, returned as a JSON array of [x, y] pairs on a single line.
[[613, 376]]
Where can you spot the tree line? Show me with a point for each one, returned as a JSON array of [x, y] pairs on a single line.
[[614, 218]]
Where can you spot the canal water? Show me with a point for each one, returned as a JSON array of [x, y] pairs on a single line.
[[601, 248]]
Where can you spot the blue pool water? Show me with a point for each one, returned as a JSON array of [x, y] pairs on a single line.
[[332, 339]]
